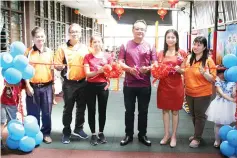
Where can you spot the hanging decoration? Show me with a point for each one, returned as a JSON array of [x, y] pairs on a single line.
[[173, 3], [113, 3], [119, 12], [76, 11], [162, 12]]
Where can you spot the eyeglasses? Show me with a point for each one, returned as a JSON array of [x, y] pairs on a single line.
[[38, 37], [141, 29], [75, 32]]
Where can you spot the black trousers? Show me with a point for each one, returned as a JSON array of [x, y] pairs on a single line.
[[143, 95], [74, 92], [94, 90]]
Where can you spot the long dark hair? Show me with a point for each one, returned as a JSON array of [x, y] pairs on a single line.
[[177, 40], [201, 40]]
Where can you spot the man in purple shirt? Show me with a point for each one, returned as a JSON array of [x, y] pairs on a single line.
[[136, 57]]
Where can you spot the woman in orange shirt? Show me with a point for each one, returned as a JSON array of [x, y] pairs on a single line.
[[199, 76]]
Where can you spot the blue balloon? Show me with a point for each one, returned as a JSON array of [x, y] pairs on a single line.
[[225, 76], [224, 131], [20, 62], [229, 60], [232, 74], [31, 129], [16, 131], [12, 76], [227, 149], [6, 60], [3, 71], [38, 138], [0, 59], [232, 138], [235, 151], [28, 72], [30, 119], [12, 144], [27, 144], [17, 48], [31, 126], [13, 121]]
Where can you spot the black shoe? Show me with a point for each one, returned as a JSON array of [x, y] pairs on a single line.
[[101, 138], [65, 139], [94, 140], [144, 140], [126, 140]]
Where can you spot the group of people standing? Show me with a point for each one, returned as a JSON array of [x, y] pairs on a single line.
[[84, 81]]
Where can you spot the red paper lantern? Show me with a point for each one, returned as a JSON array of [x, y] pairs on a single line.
[[172, 3], [220, 20], [119, 12], [76, 11], [113, 2], [162, 12]]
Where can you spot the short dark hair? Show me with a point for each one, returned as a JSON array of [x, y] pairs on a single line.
[[142, 21], [36, 30]]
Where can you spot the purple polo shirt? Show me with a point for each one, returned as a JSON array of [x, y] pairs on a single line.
[[137, 55]]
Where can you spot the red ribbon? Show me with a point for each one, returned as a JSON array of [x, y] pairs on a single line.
[[161, 71], [112, 71]]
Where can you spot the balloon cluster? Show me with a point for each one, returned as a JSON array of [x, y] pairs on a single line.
[[24, 136], [113, 71], [15, 66], [230, 62], [228, 135], [161, 71]]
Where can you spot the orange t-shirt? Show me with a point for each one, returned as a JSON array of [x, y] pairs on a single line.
[[43, 67], [74, 57], [195, 83]]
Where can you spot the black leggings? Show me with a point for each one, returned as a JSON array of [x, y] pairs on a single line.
[[94, 89]]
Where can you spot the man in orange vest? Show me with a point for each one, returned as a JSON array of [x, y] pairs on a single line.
[[72, 55]]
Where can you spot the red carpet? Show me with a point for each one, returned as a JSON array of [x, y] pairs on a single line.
[[60, 153]]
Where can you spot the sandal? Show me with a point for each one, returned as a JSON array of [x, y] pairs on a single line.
[[190, 138], [164, 142], [216, 144], [194, 143]]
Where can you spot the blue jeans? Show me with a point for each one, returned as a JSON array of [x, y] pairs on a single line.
[[8, 113]]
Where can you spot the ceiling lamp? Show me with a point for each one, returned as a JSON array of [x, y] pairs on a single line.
[[172, 3], [119, 12], [162, 12]]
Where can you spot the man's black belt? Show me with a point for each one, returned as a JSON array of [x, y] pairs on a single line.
[[74, 81], [39, 85]]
